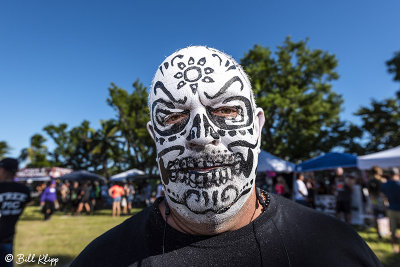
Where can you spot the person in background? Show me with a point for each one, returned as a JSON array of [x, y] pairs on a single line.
[[147, 194], [95, 195], [391, 189], [375, 197], [13, 198], [300, 190], [74, 197], [311, 188], [116, 191], [129, 191], [64, 196], [84, 199], [281, 187], [343, 194], [48, 200], [131, 198]]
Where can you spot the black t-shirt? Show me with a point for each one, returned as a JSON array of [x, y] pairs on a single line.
[[85, 193], [286, 234], [13, 198], [343, 190], [374, 187]]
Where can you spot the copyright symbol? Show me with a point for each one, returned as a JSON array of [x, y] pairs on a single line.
[[8, 258]]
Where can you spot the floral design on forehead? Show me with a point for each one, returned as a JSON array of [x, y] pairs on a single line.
[[192, 71], [202, 114]]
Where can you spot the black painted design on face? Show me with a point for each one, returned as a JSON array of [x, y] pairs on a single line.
[[180, 85], [233, 67], [195, 74], [208, 70], [160, 85], [162, 140], [169, 149], [250, 131], [194, 87], [222, 168], [177, 56], [172, 138], [195, 130], [161, 70], [242, 143], [160, 113], [232, 133], [209, 129], [213, 178], [201, 61], [194, 195], [233, 124], [191, 61], [166, 65], [225, 87], [220, 60], [192, 73], [181, 65]]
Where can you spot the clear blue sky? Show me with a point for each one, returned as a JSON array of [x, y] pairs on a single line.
[[57, 58]]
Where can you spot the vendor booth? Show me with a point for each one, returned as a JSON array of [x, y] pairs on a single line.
[[384, 159], [269, 162], [324, 166], [331, 160], [270, 169]]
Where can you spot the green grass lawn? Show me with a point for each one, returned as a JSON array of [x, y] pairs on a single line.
[[65, 236]]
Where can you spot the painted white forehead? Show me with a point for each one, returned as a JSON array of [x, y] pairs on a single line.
[[184, 61]]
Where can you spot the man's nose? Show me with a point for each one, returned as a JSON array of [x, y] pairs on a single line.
[[201, 134]]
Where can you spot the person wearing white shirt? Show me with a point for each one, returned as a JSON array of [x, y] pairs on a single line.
[[300, 190]]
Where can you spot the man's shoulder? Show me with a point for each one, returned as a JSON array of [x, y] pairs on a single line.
[[305, 217], [117, 244], [303, 229]]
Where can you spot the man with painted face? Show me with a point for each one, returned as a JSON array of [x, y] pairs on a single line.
[[207, 130]]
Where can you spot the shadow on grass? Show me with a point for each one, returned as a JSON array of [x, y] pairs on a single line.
[[63, 260], [391, 260]]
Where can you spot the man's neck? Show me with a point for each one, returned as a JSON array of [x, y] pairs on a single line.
[[248, 213]]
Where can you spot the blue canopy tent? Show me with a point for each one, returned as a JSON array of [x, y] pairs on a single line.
[[327, 161], [269, 162]]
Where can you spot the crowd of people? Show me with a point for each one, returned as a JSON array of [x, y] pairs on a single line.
[[75, 198], [379, 195]]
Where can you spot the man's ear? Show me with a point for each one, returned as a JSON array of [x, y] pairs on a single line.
[[259, 120], [150, 129]]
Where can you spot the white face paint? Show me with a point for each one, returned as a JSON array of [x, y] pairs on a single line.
[[206, 131]]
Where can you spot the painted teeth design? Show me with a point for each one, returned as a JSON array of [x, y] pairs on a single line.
[[215, 177], [204, 161]]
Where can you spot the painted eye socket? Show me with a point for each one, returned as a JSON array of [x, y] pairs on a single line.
[[175, 118], [226, 112]]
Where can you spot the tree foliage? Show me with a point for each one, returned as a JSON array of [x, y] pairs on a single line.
[[4, 149], [293, 86], [381, 119], [132, 115], [36, 153]]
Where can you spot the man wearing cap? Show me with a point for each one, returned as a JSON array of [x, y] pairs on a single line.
[[13, 198], [391, 189], [207, 130]]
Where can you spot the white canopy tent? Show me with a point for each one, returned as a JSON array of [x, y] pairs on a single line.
[[126, 174], [384, 159], [269, 162]]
